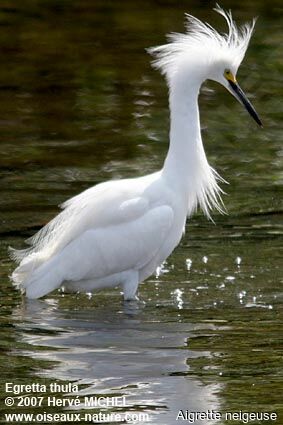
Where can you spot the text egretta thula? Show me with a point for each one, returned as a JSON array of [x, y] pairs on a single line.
[[119, 232]]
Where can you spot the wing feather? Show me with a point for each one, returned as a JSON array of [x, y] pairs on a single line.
[[98, 206], [117, 248], [98, 253]]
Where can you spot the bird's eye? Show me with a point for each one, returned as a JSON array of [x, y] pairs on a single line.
[[229, 75]]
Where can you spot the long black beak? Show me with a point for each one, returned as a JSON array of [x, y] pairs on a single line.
[[240, 95]]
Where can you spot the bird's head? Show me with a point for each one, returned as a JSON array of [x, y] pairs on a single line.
[[203, 53]]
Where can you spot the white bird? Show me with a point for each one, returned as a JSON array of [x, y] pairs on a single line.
[[119, 232]]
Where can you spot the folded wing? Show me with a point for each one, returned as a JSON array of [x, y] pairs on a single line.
[[94, 237]]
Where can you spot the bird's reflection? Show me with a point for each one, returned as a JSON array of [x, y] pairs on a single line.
[[126, 352]]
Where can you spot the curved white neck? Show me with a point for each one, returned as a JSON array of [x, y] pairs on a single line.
[[186, 167], [185, 136]]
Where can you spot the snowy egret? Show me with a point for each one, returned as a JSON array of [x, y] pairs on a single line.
[[119, 232]]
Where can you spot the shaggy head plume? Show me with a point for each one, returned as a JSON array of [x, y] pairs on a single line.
[[203, 41]]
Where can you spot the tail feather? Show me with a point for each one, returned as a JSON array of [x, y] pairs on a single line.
[[38, 287], [37, 277], [19, 254]]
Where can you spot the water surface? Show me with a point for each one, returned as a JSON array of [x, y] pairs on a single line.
[[80, 104]]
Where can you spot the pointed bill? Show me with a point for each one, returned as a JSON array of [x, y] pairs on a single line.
[[242, 98], [238, 93]]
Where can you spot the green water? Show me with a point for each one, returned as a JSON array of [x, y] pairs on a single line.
[[79, 104]]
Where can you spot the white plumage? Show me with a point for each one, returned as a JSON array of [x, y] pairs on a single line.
[[119, 232]]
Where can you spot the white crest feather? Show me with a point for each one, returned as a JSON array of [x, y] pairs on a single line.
[[202, 39]]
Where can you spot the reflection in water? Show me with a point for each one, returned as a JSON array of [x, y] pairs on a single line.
[[117, 352]]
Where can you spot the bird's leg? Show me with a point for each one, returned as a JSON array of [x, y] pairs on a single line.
[[130, 285]]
